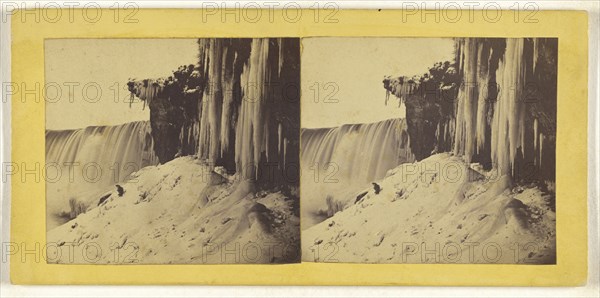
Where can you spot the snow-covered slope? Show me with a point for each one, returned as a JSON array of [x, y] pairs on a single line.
[[181, 212], [439, 210]]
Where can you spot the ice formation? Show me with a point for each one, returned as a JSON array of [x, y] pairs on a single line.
[[502, 107], [246, 119]]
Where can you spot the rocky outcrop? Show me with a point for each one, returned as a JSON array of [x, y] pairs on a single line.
[[173, 104], [429, 107]]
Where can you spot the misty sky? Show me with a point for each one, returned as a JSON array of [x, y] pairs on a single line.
[[352, 69], [106, 65]]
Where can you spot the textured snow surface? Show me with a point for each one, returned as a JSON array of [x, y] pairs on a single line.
[[439, 210], [181, 212]]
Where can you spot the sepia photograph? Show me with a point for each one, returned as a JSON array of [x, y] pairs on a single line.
[[288, 147], [174, 151], [429, 150]]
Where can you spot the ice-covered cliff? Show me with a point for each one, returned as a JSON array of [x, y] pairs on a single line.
[[495, 105], [237, 108]]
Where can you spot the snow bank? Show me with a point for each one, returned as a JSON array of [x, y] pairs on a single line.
[[439, 210], [182, 212]]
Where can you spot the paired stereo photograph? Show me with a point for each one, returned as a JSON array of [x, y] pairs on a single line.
[[287, 150]]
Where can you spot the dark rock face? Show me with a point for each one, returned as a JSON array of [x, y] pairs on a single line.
[[541, 104], [173, 104], [422, 117], [166, 123]]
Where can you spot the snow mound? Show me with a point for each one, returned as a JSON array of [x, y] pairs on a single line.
[[182, 212], [439, 210]]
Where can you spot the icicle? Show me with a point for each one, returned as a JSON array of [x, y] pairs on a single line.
[[215, 97], [536, 48], [285, 145], [212, 104], [279, 132], [483, 57], [387, 96], [466, 132], [281, 56], [542, 138], [507, 131], [250, 134], [521, 131], [229, 61], [266, 141], [280, 139], [535, 140]]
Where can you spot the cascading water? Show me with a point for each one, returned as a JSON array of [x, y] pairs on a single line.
[[82, 163], [339, 162]]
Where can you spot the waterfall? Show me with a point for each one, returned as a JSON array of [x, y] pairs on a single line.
[[342, 161], [83, 163]]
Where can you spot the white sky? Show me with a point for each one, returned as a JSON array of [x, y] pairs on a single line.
[[357, 67], [108, 63]]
